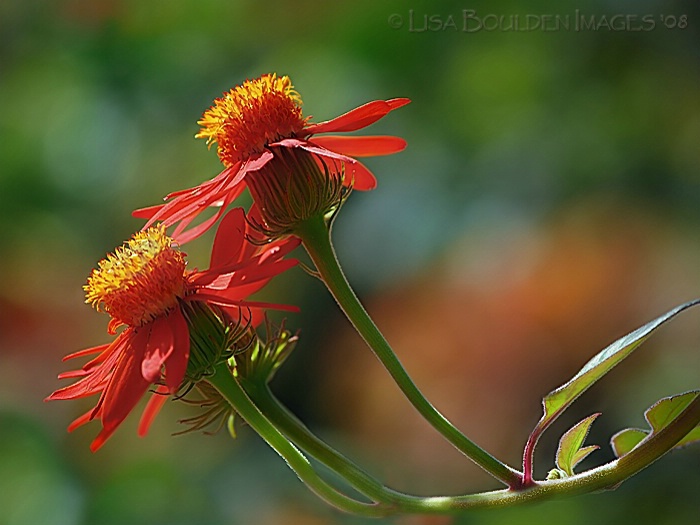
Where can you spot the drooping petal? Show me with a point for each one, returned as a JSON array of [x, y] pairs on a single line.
[[80, 421], [155, 403], [239, 279], [159, 347], [87, 351], [223, 300], [126, 387], [90, 384], [176, 364], [253, 163], [183, 236], [280, 248], [365, 146], [357, 118], [188, 205], [147, 212], [97, 376], [185, 205], [154, 213], [313, 148], [229, 240], [73, 373], [360, 177]]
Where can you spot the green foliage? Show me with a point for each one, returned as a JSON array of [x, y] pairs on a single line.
[[626, 440], [571, 450], [660, 415], [560, 399]]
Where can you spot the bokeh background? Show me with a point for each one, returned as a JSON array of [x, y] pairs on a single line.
[[548, 202]]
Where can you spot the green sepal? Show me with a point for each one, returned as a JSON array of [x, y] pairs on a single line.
[[261, 360], [214, 338]]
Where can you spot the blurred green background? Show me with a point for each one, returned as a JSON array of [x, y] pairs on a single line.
[[547, 203]]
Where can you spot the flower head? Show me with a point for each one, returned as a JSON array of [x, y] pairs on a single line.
[[145, 285], [250, 116], [253, 125], [140, 281]]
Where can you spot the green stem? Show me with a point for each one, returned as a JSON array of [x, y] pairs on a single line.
[[229, 387], [393, 502], [315, 235], [298, 433]]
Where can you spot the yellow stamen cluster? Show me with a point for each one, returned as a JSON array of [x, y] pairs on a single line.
[[142, 279], [252, 115]]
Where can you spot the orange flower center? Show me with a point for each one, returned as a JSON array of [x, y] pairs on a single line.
[[141, 280], [252, 115]]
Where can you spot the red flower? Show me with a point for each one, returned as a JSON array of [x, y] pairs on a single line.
[[251, 124], [145, 286]]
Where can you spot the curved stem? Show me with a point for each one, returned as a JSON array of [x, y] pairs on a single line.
[[393, 502], [298, 433], [229, 387], [315, 235], [529, 456]]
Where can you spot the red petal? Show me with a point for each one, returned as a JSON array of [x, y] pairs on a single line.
[[155, 403], [158, 348], [312, 148], [125, 388], [222, 300], [73, 373], [257, 161], [220, 191], [368, 146], [229, 239], [176, 364], [357, 118], [242, 275], [87, 351], [96, 379], [359, 177], [148, 212], [80, 421], [183, 237]]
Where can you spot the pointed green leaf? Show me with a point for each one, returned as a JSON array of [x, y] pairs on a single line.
[[570, 452], [664, 411], [560, 399], [659, 416], [626, 440], [583, 454]]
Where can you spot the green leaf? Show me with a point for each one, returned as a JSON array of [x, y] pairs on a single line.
[[664, 411], [571, 451], [561, 398], [626, 440], [660, 415]]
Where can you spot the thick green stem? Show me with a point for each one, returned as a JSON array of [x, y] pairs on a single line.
[[393, 502], [298, 433], [229, 387], [315, 235]]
